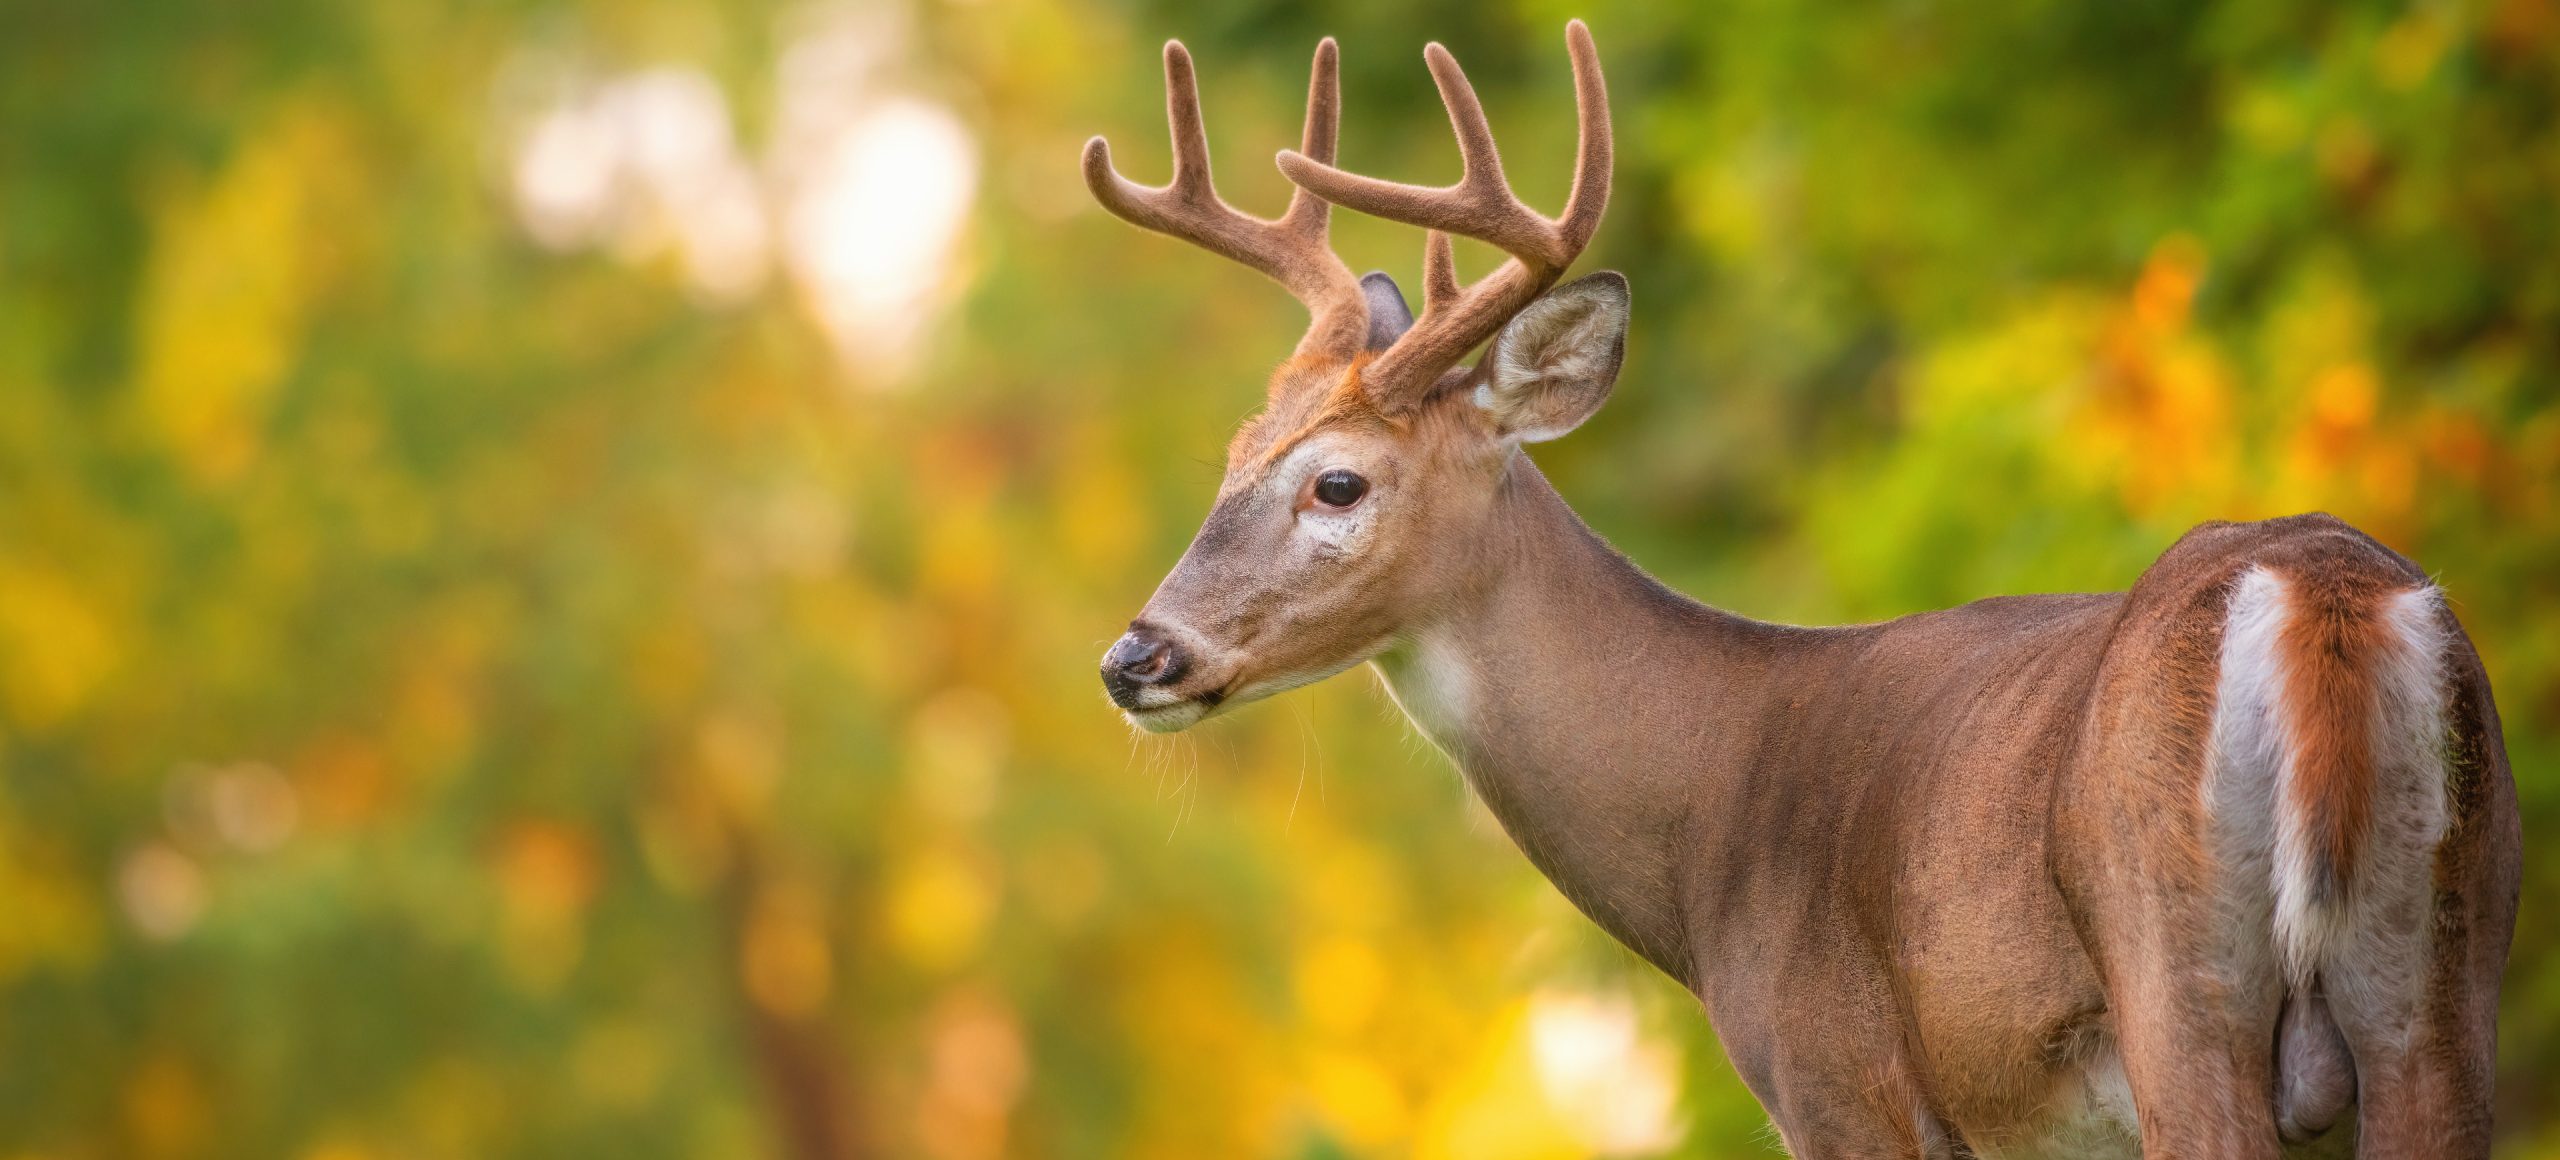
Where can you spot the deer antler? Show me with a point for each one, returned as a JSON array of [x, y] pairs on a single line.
[[1292, 249], [1480, 206]]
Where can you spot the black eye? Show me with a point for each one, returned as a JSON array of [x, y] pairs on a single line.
[[1340, 489]]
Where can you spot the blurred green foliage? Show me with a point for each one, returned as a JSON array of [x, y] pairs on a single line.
[[478, 687]]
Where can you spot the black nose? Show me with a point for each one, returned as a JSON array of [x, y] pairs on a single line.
[[1144, 657]]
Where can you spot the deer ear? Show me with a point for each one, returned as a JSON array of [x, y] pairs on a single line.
[[1389, 317], [1553, 364]]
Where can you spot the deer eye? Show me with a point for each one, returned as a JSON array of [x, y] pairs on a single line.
[[1340, 489]]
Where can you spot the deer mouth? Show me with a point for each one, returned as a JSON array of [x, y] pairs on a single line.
[[1205, 689], [1163, 710], [1170, 718]]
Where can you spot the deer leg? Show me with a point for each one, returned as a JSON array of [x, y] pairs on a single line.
[[2425, 1056], [2429, 1100], [2199, 1071], [2192, 989], [2424, 1086], [1833, 1090], [2424, 1048], [1883, 1118], [2412, 975]]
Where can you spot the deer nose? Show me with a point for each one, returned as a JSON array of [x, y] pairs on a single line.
[[1146, 656]]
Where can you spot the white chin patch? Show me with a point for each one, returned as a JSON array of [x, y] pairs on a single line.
[[1168, 719], [1153, 697]]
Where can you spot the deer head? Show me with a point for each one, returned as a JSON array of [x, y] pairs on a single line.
[[1364, 495]]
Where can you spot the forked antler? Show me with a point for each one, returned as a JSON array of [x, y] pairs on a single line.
[[1480, 206], [1292, 249]]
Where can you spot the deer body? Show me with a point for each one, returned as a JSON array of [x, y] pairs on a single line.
[[1848, 842], [2225, 865]]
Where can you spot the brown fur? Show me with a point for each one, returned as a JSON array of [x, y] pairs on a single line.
[[2330, 644], [1931, 878], [1918, 868], [1480, 206], [1302, 403]]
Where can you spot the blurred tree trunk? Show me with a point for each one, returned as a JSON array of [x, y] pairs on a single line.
[[811, 1092]]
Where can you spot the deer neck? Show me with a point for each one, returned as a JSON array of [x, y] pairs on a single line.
[[1583, 701]]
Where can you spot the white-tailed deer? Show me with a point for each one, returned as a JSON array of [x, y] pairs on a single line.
[[2225, 865]]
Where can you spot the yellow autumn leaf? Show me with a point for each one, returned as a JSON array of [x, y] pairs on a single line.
[[56, 645], [224, 300]]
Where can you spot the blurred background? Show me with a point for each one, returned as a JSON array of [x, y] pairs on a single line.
[[552, 554]]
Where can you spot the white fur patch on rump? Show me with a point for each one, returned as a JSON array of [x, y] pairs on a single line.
[[2366, 949]]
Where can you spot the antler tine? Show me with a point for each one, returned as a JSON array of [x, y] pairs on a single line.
[[1481, 198], [1439, 273], [1182, 117], [1292, 249], [1479, 205], [1595, 151], [1321, 137]]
